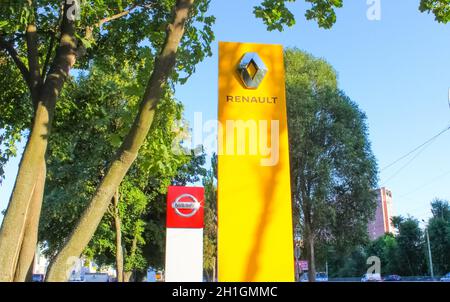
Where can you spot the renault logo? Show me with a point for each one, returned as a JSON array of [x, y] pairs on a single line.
[[252, 70], [186, 208]]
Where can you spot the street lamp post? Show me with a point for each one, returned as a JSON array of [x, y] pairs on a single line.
[[429, 252]]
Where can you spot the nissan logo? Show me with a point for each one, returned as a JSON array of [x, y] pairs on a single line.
[[186, 208]]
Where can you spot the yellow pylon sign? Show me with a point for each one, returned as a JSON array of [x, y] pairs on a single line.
[[255, 236]]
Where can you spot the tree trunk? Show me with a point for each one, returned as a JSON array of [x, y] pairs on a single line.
[[118, 227], [127, 276], [15, 220], [30, 237], [309, 244], [13, 227], [127, 153], [308, 236]]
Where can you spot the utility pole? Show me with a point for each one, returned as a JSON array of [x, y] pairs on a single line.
[[429, 252]]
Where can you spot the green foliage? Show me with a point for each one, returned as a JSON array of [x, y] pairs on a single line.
[[103, 30], [193, 170], [132, 206], [349, 264], [385, 248], [439, 8], [307, 72], [93, 115], [439, 232], [128, 38], [411, 248], [440, 209], [396, 221], [405, 253], [323, 12], [210, 230], [402, 254], [15, 110], [333, 169], [275, 14]]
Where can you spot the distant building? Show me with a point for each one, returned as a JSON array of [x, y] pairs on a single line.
[[382, 224]]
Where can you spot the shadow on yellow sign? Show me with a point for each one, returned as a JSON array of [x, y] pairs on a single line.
[[255, 237]]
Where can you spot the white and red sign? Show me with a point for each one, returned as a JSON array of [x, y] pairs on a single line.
[[184, 238], [185, 207]]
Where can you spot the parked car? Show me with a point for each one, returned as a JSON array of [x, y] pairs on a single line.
[[37, 278], [392, 278], [96, 277], [320, 277], [446, 278], [371, 278], [426, 279]]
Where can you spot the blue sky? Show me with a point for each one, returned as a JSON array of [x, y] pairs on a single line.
[[396, 69]]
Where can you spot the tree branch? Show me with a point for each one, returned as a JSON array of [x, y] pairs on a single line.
[[9, 48], [33, 62], [116, 16], [122, 14], [81, 51], [63, 61], [47, 57]]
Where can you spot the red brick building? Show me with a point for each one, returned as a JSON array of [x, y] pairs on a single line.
[[385, 211]]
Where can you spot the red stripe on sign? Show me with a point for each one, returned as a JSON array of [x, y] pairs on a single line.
[[185, 207]]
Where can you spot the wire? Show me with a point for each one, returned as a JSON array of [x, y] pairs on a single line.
[[427, 184], [415, 149], [409, 162]]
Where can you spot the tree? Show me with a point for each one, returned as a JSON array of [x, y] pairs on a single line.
[[44, 85], [440, 209], [440, 9], [350, 264], [127, 153], [333, 170], [79, 41], [44, 15], [411, 248], [276, 14], [405, 253], [97, 108], [386, 249], [439, 232], [396, 221], [52, 41], [210, 230]]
